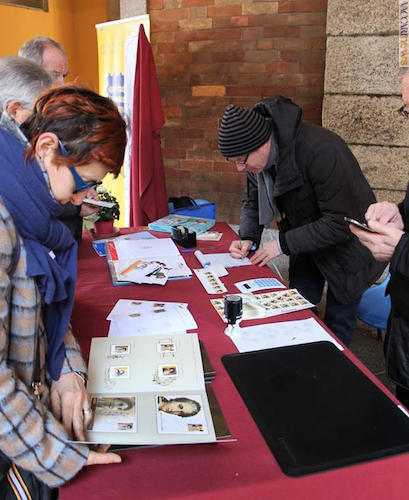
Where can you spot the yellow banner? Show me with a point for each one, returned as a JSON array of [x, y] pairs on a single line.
[[113, 39]]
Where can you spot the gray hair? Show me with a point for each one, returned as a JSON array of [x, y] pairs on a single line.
[[33, 49], [21, 80]]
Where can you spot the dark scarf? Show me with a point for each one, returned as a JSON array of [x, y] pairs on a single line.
[[267, 209], [51, 250]]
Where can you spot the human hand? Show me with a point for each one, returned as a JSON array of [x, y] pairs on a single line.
[[240, 248], [100, 456], [265, 253], [381, 244], [68, 400], [87, 209], [385, 213]]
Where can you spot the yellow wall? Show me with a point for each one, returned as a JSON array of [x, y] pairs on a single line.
[[70, 22], [86, 14]]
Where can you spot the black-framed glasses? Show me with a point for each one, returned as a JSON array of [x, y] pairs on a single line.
[[239, 161], [80, 184], [404, 111]]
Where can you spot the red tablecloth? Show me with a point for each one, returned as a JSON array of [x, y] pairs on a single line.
[[239, 470]]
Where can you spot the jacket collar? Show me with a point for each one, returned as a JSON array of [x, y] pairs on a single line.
[[286, 118]]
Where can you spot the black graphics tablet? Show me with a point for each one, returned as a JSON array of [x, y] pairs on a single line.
[[315, 409]]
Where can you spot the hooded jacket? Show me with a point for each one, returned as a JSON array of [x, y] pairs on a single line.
[[318, 181]]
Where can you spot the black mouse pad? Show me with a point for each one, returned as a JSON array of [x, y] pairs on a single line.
[[315, 409]]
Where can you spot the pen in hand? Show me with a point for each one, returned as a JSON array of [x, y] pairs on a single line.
[[241, 246]]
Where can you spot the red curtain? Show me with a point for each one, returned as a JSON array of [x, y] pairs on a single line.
[[148, 199]]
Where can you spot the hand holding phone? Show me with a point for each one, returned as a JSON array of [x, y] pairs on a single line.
[[361, 225]]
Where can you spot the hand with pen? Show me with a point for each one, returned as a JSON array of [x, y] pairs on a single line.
[[240, 248]]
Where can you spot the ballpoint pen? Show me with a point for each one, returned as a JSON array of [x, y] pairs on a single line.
[[188, 250], [158, 268]]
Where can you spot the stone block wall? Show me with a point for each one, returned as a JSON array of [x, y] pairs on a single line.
[[210, 53], [362, 91]]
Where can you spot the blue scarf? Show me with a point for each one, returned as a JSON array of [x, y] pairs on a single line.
[[51, 250]]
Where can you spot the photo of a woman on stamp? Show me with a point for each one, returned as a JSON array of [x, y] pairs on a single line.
[[182, 407]]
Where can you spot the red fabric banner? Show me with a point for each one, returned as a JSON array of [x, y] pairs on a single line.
[[148, 199]]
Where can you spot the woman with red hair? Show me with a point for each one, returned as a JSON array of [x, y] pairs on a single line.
[[76, 137]]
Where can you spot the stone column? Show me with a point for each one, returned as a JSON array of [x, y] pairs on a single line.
[[362, 91]]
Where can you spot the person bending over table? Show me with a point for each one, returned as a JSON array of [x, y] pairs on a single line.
[[306, 178], [76, 137]]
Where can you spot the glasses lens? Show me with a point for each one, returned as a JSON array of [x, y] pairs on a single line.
[[86, 186], [240, 161], [80, 184], [244, 160]]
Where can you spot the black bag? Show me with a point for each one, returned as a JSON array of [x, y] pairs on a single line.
[[182, 202], [17, 483]]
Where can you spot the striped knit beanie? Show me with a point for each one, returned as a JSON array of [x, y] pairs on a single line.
[[242, 131]]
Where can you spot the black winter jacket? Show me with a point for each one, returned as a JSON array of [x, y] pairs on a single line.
[[318, 182], [397, 338]]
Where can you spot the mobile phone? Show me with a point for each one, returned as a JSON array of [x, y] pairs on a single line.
[[361, 225]]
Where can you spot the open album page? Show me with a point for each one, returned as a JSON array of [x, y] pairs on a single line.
[[148, 390]]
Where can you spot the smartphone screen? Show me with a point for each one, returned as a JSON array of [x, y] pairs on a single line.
[[361, 225]]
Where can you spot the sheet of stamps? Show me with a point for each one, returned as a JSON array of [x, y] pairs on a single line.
[[263, 305], [210, 281]]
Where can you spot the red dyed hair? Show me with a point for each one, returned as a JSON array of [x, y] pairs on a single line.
[[89, 126]]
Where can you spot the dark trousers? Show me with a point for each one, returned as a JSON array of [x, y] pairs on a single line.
[[403, 395], [10, 475], [308, 280]]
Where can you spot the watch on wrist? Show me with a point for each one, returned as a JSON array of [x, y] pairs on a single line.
[[82, 376]]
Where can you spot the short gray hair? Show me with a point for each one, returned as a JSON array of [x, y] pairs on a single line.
[[21, 80], [33, 49]]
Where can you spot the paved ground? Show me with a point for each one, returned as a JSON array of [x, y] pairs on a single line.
[[365, 345]]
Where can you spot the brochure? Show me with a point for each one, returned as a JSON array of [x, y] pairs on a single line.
[[197, 224], [100, 248], [149, 261]]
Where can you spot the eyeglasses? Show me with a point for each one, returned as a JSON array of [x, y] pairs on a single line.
[[240, 161], [404, 111], [80, 184]]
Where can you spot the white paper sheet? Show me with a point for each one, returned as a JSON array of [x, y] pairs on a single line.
[[145, 249], [225, 259], [124, 307], [118, 330], [269, 335], [138, 317], [257, 284]]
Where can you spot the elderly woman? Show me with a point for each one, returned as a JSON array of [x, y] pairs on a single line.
[[76, 137], [21, 82]]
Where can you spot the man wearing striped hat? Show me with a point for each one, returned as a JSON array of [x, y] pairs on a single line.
[[306, 179]]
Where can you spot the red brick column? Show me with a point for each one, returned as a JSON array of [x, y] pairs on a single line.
[[210, 53]]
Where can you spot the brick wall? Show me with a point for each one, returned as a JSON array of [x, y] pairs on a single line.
[[210, 53]]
